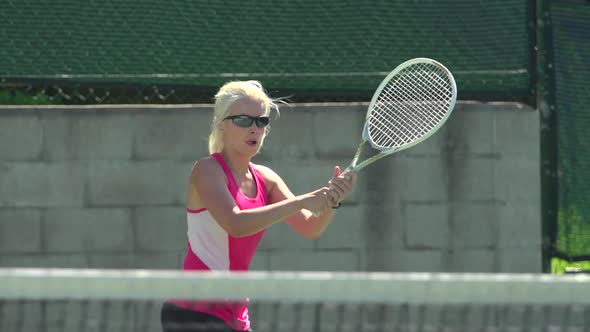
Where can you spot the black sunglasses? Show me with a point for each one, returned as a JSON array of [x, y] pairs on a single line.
[[245, 121]]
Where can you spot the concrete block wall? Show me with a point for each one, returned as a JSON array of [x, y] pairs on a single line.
[[104, 187]]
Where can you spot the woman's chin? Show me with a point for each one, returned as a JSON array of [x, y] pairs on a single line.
[[252, 150]]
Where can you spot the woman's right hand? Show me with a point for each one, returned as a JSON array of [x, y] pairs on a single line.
[[317, 201]]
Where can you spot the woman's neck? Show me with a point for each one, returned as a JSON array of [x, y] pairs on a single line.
[[237, 163]]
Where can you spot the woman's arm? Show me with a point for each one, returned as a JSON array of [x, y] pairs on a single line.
[[303, 221], [210, 183]]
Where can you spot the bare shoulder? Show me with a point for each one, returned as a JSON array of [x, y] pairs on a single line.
[[268, 174], [206, 167], [276, 186]]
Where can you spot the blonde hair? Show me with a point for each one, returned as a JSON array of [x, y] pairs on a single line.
[[228, 94]]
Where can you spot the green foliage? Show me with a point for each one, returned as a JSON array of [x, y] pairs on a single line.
[[16, 97], [559, 266]]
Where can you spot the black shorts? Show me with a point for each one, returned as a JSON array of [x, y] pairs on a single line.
[[177, 319]]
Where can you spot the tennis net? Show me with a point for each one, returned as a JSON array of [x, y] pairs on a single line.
[[130, 300]]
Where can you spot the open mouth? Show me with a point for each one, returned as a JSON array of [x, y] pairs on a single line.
[[252, 142]]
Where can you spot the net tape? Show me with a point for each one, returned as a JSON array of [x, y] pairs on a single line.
[[296, 286]]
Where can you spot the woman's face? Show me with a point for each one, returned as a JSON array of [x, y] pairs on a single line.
[[246, 140]]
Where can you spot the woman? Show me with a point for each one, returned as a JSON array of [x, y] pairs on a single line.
[[231, 202]]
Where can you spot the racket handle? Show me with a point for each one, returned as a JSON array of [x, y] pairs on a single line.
[[348, 169]]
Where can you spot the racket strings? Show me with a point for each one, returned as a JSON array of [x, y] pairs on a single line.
[[406, 120], [388, 97], [384, 125], [381, 132], [411, 104]]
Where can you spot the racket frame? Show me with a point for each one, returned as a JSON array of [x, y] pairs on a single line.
[[387, 151]]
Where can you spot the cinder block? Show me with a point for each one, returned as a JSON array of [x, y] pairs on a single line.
[[420, 178], [111, 260], [483, 165], [21, 137], [519, 225], [20, 231], [520, 260], [418, 261], [474, 225], [87, 134], [427, 225], [345, 231], [471, 178], [159, 261], [137, 183], [30, 184], [473, 261], [45, 260], [470, 132], [517, 127], [173, 134], [382, 226], [517, 179], [308, 260], [378, 259], [88, 230], [261, 261], [338, 135], [382, 182], [282, 236], [291, 136], [160, 229]]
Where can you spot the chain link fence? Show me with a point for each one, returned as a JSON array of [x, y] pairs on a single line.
[[179, 51]]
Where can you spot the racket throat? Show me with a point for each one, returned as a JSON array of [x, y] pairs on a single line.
[[359, 151]]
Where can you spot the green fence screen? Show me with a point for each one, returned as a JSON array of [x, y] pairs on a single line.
[[306, 46], [571, 28]]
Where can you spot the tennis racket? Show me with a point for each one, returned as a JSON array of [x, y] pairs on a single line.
[[409, 106]]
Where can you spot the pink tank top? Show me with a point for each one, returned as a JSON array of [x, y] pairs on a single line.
[[210, 247]]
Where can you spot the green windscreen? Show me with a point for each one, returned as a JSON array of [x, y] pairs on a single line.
[[306, 46], [571, 25]]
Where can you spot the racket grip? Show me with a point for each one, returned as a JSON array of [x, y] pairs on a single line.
[[348, 169]]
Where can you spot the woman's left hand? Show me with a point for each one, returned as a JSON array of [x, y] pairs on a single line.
[[342, 185]]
